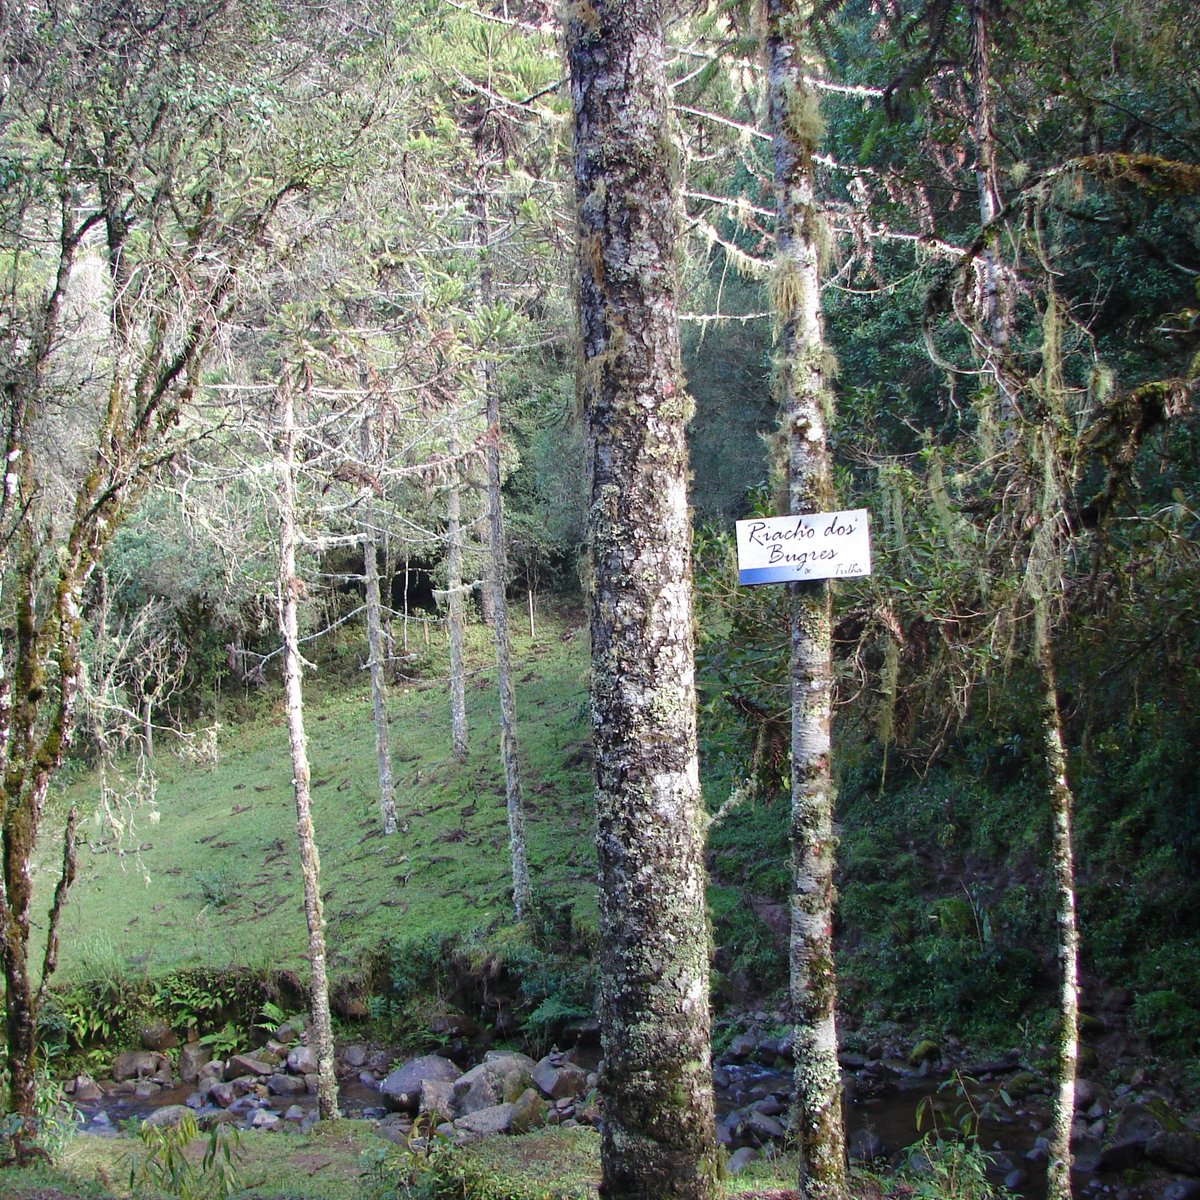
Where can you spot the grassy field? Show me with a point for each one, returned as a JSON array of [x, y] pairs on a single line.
[[209, 875]]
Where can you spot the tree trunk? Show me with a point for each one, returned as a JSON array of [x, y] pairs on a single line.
[[494, 585], [656, 1080], [310, 863], [1058, 1184], [46, 677], [376, 653], [454, 611], [993, 283], [805, 407]]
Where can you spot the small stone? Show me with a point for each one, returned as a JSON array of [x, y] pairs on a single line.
[[739, 1160], [865, 1145]]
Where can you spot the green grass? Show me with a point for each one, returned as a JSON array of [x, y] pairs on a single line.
[[214, 880]]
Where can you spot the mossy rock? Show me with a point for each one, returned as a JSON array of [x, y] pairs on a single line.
[[924, 1051]]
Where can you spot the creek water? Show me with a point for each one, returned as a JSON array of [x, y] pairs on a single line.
[[890, 1114]]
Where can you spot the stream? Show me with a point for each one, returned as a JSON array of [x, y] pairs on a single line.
[[881, 1119]]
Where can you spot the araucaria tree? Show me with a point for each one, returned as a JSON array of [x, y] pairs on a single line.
[[124, 235], [805, 408], [658, 1135]]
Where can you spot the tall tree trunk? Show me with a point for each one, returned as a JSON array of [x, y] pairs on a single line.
[[1062, 803], [376, 652], [310, 863], [993, 283], [454, 610], [805, 407], [494, 585], [658, 1136]]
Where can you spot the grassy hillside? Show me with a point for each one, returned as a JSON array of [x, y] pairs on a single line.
[[209, 875]]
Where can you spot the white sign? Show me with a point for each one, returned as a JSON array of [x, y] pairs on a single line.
[[817, 546]]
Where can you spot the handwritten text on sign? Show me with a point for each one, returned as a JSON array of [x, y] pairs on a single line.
[[817, 546]]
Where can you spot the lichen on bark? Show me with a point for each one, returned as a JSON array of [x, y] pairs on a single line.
[[806, 411], [658, 1134]]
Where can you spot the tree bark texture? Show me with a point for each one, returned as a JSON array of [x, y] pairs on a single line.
[[658, 1135], [1058, 1180], [310, 863], [806, 407], [494, 586], [993, 284]]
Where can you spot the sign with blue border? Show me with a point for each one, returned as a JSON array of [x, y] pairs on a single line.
[[815, 546]]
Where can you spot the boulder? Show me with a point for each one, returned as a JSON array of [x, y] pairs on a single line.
[[1178, 1152], [158, 1035], [485, 1122], [924, 1051], [301, 1060], [451, 1025], [355, 1057], [762, 1128], [1122, 1153], [437, 1098], [213, 1069], [84, 1088], [169, 1114], [1181, 1189], [286, 1085], [138, 1064], [402, 1088], [192, 1059], [250, 1064], [222, 1093], [528, 1112], [557, 1078], [1085, 1155], [499, 1079]]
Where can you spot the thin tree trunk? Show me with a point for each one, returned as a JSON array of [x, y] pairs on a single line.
[[658, 1137], [376, 654], [1058, 1186], [375, 649], [404, 626], [148, 727], [310, 863], [454, 611], [494, 585], [805, 405]]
